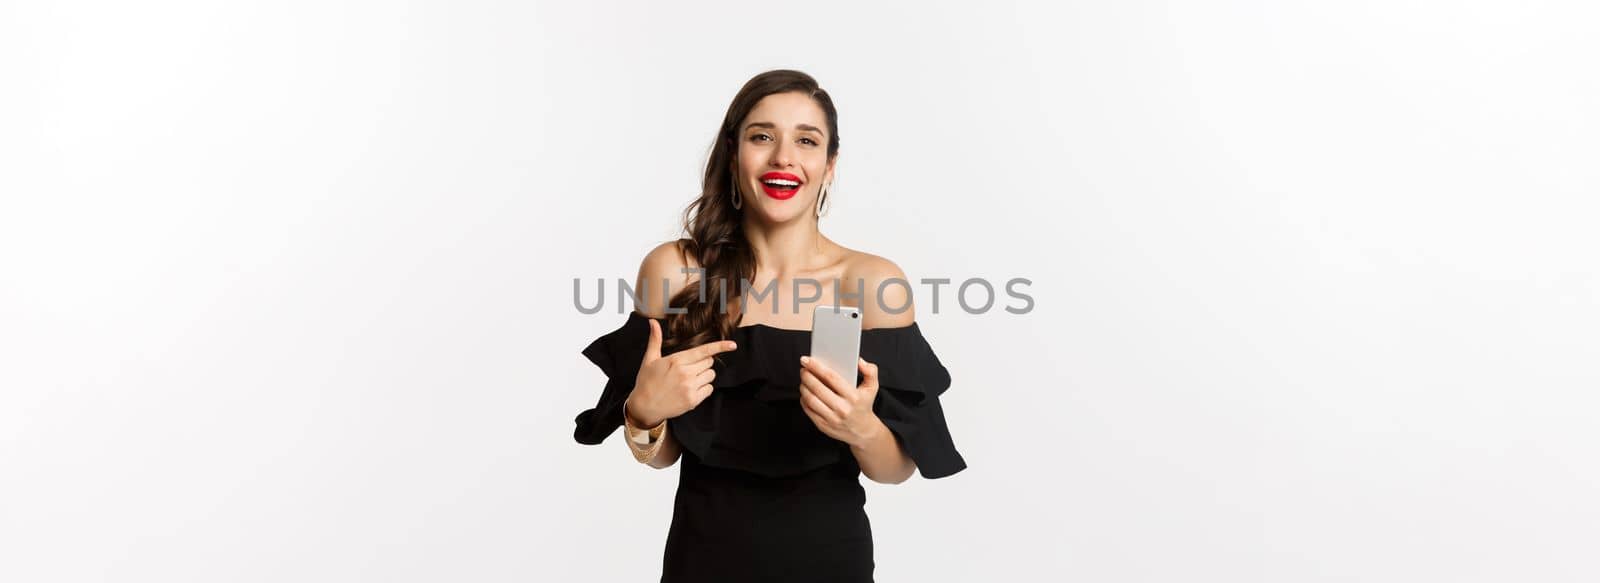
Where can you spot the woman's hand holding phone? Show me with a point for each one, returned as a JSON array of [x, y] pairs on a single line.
[[840, 411], [669, 386]]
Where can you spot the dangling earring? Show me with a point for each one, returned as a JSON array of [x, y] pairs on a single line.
[[738, 201], [821, 200]]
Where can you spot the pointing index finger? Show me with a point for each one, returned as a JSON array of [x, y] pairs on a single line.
[[706, 350]]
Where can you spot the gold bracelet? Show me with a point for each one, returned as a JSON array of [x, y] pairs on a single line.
[[645, 455], [656, 436]]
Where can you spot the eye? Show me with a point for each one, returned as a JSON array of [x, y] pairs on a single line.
[[753, 138], [813, 142]]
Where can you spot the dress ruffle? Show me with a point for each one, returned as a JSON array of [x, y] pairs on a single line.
[[753, 420], [619, 354]]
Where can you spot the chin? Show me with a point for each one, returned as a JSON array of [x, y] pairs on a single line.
[[782, 211]]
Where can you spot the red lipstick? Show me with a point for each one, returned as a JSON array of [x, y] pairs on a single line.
[[780, 185]]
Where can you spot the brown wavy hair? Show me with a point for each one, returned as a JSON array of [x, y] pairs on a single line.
[[716, 230]]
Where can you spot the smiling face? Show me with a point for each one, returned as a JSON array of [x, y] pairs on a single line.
[[783, 162]]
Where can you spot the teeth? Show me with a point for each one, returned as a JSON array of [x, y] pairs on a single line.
[[781, 182]]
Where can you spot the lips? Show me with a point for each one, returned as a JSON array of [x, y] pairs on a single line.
[[780, 185]]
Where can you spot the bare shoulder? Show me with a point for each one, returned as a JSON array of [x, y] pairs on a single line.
[[663, 266], [886, 301]]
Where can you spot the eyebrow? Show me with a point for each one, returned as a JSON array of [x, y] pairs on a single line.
[[768, 124]]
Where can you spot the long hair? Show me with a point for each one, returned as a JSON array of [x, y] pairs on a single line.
[[716, 230]]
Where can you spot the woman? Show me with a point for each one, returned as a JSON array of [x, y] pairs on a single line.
[[772, 444]]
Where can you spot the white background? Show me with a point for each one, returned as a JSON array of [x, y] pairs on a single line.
[[285, 287]]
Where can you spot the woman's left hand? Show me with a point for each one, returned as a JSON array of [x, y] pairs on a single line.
[[842, 412]]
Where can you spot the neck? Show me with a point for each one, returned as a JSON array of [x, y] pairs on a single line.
[[786, 249]]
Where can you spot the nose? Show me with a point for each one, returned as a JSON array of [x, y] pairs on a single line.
[[782, 156]]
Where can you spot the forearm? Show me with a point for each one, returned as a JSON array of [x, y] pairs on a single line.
[[881, 458]]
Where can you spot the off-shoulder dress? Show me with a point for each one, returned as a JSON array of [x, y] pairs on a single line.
[[763, 495]]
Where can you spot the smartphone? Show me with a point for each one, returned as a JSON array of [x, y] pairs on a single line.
[[836, 339]]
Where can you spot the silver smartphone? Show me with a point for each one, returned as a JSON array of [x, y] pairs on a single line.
[[836, 339]]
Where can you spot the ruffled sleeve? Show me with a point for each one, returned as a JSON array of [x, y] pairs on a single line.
[[618, 354], [910, 380]]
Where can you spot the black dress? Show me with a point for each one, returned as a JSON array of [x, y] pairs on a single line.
[[763, 495]]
